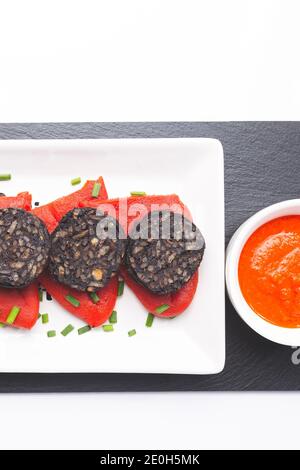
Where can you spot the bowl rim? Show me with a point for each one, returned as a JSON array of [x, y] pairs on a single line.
[[278, 334]]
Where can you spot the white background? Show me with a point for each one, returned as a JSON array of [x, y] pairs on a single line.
[[135, 60]]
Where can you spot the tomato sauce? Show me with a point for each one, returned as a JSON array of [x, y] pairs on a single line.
[[269, 271]]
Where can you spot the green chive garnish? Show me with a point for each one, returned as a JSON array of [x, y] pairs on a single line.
[[94, 297], [13, 315], [120, 288], [39, 316], [5, 177], [84, 329], [40, 295], [162, 308], [67, 330], [45, 318], [107, 327], [131, 333], [51, 333], [113, 318], [96, 190], [137, 193], [72, 300], [75, 181], [2, 325], [149, 321]]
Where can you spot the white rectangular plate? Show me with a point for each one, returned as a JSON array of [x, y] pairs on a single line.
[[193, 343]]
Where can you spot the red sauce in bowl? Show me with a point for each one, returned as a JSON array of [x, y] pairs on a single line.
[[269, 271]]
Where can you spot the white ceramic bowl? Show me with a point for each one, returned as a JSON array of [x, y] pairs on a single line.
[[287, 336]]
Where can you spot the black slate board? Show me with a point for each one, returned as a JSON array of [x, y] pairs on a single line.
[[262, 166]]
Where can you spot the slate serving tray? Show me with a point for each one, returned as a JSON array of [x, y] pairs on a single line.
[[262, 166]]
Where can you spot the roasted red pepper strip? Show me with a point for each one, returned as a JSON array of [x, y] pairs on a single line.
[[26, 299], [52, 213], [128, 210], [179, 301], [21, 201], [93, 314], [90, 313]]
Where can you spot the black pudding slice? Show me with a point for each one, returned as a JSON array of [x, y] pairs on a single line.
[[164, 251], [86, 249], [24, 247]]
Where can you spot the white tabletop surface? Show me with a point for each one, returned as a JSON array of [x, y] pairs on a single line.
[[72, 60]]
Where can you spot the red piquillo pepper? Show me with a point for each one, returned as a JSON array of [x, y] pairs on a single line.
[[178, 302], [21, 201], [26, 299], [128, 211], [131, 209], [53, 212], [92, 313]]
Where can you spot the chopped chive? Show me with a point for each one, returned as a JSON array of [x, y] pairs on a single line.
[[13, 315], [40, 295], [162, 308], [113, 318], [96, 190], [149, 321], [120, 288], [107, 327], [51, 333], [72, 300], [131, 333], [137, 193], [94, 297], [67, 330], [2, 325], [75, 181], [39, 315], [45, 318], [84, 329], [5, 177]]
